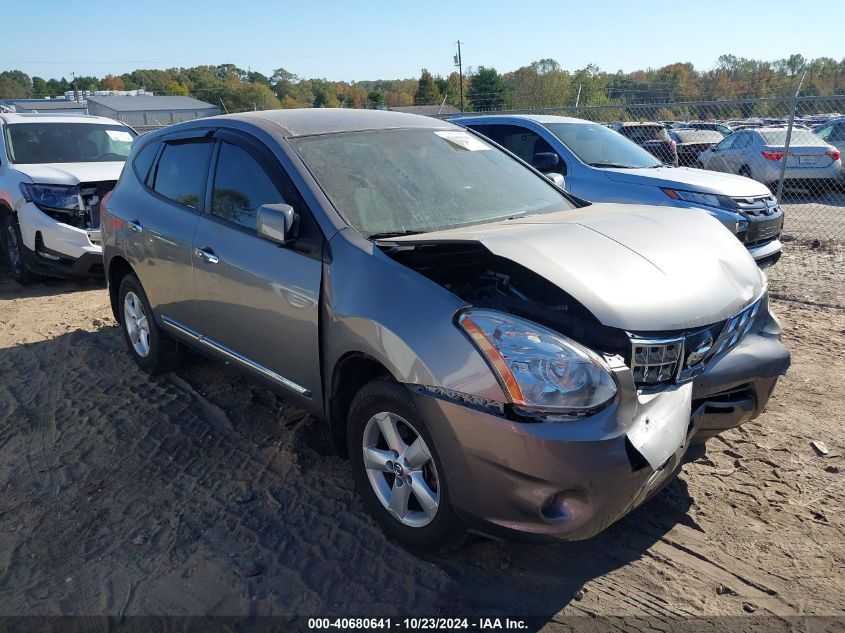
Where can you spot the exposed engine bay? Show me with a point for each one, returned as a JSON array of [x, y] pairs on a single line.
[[87, 216], [470, 271]]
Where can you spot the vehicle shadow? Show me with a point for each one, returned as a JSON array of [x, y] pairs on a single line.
[[42, 286], [201, 492]]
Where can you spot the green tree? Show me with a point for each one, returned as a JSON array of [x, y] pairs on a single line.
[[487, 89], [375, 98], [427, 92], [40, 88], [15, 84], [57, 87]]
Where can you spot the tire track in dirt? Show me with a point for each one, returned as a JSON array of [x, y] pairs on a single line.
[[201, 492]]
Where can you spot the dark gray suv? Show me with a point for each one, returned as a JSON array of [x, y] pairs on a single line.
[[491, 353]]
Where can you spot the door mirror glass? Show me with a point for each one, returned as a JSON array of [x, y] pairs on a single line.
[[275, 222], [546, 162], [558, 179]]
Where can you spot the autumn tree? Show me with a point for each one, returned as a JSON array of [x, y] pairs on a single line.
[[110, 82]]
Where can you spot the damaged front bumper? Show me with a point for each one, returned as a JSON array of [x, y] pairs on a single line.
[[571, 478]]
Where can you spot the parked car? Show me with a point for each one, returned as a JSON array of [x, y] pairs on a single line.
[[653, 137], [714, 126], [759, 154], [54, 172], [492, 353], [691, 142], [833, 133], [605, 167]]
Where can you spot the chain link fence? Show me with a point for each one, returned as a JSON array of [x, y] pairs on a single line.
[[792, 145]]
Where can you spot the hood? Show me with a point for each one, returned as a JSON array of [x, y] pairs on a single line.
[[691, 180], [71, 173], [637, 268]]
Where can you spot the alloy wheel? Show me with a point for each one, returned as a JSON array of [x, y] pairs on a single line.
[[401, 470], [136, 324]]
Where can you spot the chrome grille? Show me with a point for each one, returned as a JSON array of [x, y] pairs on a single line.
[[655, 361], [735, 329]]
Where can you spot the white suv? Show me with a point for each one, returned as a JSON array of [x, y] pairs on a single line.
[[54, 171]]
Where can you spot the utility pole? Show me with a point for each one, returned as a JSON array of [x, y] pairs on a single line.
[[459, 64]]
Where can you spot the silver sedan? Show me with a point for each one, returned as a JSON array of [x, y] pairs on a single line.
[[759, 154]]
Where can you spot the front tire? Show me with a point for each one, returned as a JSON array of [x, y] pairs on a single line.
[[398, 472], [153, 350], [13, 247]]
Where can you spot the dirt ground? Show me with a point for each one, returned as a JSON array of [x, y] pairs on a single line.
[[200, 492]]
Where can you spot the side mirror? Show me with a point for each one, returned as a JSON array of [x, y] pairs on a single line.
[[557, 179], [714, 147], [546, 162], [275, 222]]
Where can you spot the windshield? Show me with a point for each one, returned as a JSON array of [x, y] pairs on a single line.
[[389, 182], [697, 136], [799, 137], [644, 133], [31, 143], [598, 146]]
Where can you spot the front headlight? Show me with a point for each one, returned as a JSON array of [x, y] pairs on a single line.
[[704, 199], [53, 197], [539, 369]]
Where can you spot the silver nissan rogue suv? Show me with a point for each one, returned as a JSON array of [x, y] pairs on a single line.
[[491, 353]]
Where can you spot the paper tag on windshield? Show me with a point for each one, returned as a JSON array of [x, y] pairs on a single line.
[[119, 135], [464, 140]]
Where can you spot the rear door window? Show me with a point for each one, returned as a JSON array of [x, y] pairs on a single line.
[[742, 141], [181, 172], [727, 143]]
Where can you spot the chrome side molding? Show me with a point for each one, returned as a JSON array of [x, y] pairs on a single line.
[[239, 358]]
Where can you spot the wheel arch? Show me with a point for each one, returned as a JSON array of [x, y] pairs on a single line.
[[351, 372], [118, 268], [5, 211]]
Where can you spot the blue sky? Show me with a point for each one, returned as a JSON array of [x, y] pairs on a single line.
[[378, 39]]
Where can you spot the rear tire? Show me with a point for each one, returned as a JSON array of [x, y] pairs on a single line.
[[383, 404], [13, 247], [745, 170], [154, 350]]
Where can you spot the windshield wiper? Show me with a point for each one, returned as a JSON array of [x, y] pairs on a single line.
[[617, 165], [386, 236]]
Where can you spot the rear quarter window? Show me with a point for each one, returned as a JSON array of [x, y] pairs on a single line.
[[144, 160], [181, 172]]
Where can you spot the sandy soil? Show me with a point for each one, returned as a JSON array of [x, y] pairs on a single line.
[[199, 492]]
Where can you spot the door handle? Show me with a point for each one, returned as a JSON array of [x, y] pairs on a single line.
[[135, 226], [207, 255]]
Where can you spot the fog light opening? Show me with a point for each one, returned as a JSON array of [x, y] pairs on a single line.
[[560, 506]]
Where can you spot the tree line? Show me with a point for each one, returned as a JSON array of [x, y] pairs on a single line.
[[541, 84]]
